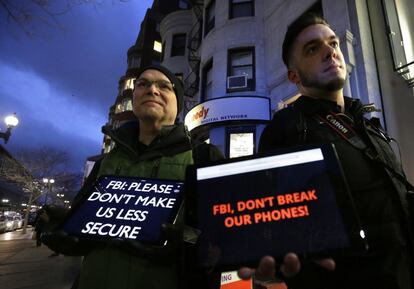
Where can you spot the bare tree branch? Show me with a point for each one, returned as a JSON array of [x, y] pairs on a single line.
[[32, 165], [44, 162], [26, 13]]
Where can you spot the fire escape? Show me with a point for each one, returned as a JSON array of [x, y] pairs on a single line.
[[192, 81]]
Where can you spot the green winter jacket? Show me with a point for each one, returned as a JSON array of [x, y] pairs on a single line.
[[109, 266]]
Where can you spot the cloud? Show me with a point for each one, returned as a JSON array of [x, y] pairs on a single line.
[[88, 56], [61, 82], [45, 103], [48, 116]]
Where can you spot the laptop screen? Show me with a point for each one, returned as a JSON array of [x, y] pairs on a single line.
[[292, 201]]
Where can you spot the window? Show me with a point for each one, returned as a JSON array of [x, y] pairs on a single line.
[[155, 62], [179, 76], [400, 41], [129, 83], [178, 45], [157, 46], [183, 4], [241, 141], [134, 61], [126, 104], [241, 62], [241, 8], [118, 108], [207, 84], [210, 17]]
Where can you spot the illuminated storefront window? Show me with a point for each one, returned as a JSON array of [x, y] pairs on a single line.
[[241, 144]]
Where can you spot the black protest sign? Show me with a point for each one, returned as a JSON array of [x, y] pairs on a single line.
[[126, 208], [295, 201]]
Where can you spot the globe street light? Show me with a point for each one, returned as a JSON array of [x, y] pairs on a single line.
[[5, 203], [48, 183], [11, 121]]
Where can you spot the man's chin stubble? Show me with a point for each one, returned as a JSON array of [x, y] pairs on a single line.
[[335, 85]]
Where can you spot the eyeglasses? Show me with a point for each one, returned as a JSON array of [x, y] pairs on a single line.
[[162, 85]]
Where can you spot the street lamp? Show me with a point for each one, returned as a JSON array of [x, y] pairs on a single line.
[[5, 203], [11, 121], [48, 183], [59, 197]]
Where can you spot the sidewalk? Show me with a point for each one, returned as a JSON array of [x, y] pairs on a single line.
[[25, 266]]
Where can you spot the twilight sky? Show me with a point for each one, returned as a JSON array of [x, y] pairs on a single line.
[[62, 80]]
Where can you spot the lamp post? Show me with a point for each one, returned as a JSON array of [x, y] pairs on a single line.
[[5, 202], [48, 183], [11, 121], [59, 197], [33, 187]]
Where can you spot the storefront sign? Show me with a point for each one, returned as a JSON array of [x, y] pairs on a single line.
[[228, 109], [230, 280]]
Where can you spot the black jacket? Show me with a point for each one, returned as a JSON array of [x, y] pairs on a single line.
[[172, 140], [131, 262], [379, 197]]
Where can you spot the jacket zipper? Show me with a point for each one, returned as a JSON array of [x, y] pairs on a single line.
[[155, 168]]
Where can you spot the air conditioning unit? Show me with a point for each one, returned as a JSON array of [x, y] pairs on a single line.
[[237, 81]]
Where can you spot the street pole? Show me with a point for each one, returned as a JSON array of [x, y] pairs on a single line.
[[47, 193], [48, 183], [26, 214], [29, 205]]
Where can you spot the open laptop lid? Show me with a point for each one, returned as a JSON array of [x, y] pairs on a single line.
[[295, 200]]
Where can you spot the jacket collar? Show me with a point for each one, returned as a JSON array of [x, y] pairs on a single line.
[[312, 106], [172, 138]]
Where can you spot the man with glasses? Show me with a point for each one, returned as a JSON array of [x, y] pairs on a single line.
[[154, 146], [315, 64]]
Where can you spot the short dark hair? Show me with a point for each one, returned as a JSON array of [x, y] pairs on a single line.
[[294, 29]]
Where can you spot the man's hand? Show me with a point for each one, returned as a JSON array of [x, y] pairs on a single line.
[[60, 241], [289, 268], [175, 235]]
